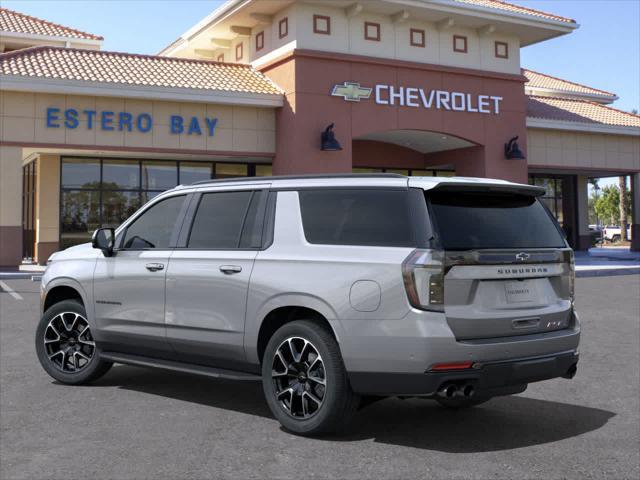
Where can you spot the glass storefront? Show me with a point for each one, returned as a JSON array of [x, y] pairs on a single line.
[[105, 192], [409, 172], [552, 197]]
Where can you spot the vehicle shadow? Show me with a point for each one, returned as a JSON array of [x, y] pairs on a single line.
[[501, 424]]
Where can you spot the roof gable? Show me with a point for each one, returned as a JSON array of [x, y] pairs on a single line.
[[16, 22]]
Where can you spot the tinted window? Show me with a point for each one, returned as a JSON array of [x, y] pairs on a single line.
[[356, 217], [154, 227], [480, 220], [219, 219]]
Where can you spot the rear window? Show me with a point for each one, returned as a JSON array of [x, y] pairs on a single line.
[[469, 220], [356, 217]]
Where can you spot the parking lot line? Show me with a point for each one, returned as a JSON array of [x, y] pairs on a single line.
[[10, 291]]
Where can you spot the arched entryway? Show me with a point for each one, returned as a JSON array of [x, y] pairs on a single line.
[[417, 151]]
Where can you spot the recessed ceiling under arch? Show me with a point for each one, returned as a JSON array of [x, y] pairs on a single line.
[[418, 140]]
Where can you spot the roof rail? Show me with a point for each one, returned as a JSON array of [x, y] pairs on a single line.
[[301, 177]]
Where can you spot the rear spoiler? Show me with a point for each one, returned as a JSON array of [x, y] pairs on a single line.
[[514, 188]]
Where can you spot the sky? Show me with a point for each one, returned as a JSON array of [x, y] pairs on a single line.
[[603, 53]]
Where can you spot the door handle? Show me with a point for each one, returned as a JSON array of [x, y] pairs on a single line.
[[230, 269], [154, 267]]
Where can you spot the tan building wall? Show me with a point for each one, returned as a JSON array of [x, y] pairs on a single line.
[[347, 36], [584, 150], [10, 205], [23, 120]]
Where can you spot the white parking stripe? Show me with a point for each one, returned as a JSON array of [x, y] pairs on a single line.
[[10, 291]]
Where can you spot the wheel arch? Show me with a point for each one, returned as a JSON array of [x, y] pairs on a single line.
[[283, 315], [59, 291]]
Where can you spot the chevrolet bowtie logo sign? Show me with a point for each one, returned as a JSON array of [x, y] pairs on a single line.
[[351, 92]]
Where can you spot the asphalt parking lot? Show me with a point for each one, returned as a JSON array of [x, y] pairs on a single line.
[[138, 423]]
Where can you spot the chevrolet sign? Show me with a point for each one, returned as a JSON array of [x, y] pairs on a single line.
[[416, 97]]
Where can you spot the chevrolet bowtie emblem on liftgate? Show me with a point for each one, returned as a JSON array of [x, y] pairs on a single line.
[[522, 256], [351, 92]]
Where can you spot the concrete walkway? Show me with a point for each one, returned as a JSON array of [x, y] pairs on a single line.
[[607, 261]]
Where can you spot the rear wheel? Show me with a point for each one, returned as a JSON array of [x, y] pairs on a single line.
[[65, 345], [304, 380]]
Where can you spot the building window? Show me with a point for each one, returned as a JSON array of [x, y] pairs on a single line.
[[502, 50], [460, 44], [372, 31], [416, 37], [283, 27], [239, 51], [322, 24], [259, 41], [98, 193], [552, 196], [221, 57]]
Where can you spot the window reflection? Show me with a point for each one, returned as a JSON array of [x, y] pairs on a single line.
[[159, 175], [120, 174], [79, 216], [191, 172], [80, 173]]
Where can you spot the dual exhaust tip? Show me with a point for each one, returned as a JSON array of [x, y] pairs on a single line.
[[451, 390]]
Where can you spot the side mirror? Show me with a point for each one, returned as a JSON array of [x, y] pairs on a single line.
[[104, 239]]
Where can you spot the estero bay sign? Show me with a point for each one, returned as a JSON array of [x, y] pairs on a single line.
[[107, 120], [418, 97]]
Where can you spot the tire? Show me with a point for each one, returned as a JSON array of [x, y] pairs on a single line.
[[460, 403], [72, 358], [298, 358], [615, 239]]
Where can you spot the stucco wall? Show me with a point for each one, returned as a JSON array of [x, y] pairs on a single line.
[[23, 119], [557, 148]]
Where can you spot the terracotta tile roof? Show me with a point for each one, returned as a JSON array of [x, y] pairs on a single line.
[[511, 8], [581, 111], [135, 70], [541, 80], [16, 22]]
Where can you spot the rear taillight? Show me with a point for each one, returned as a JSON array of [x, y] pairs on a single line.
[[423, 273]]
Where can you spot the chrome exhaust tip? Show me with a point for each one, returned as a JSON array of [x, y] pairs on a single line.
[[468, 390], [448, 391]]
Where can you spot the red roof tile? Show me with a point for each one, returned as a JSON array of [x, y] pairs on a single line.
[[510, 7], [132, 69], [542, 80], [11, 21], [580, 111]]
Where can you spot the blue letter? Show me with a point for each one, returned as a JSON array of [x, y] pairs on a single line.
[[176, 124], [90, 115], [124, 119], [52, 117], [107, 120], [211, 125], [71, 118], [147, 125], [194, 126]]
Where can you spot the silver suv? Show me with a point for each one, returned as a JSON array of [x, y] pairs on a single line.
[[333, 290]]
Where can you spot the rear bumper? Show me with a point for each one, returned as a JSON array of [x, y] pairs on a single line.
[[489, 378]]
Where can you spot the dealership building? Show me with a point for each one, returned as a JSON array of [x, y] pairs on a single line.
[[417, 87]]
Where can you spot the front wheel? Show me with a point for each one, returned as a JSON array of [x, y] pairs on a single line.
[[65, 345], [304, 380]]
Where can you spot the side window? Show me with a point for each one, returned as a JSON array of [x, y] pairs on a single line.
[[357, 217], [228, 220], [153, 229]]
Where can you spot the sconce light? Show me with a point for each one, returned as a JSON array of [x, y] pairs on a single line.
[[328, 142], [512, 150]]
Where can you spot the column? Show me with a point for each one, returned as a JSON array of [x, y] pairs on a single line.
[[635, 207], [47, 207], [10, 206], [582, 204]]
